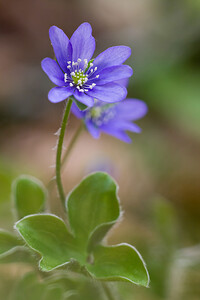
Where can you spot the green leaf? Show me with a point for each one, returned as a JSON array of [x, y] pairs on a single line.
[[121, 263], [8, 243], [80, 105], [48, 235], [18, 255], [12, 249], [29, 196], [93, 207]]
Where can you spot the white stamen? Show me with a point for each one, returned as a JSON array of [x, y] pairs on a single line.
[[97, 76], [69, 62], [65, 77], [79, 60], [95, 68], [71, 84]]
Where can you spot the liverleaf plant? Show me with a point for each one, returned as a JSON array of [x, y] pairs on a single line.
[[77, 244], [93, 208]]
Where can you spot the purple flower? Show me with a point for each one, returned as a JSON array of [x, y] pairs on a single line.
[[75, 73], [113, 119]]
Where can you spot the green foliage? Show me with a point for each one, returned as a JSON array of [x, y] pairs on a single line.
[[29, 196], [12, 249], [8, 242], [49, 236], [93, 207], [121, 262]]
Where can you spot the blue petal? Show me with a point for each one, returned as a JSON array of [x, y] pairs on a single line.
[[53, 71], [114, 73], [83, 98], [77, 112], [93, 130], [131, 109], [61, 45], [122, 125], [123, 82], [116, 133], [110, 92], [113, 56], [58, 94], [83, 43]]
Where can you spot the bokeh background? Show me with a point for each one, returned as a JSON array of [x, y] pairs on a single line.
[[159, 173]]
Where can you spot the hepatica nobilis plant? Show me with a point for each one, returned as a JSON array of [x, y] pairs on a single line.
[[76, 244]]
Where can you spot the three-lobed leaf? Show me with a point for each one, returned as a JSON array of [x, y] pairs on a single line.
[[29, 196], [93, 207]]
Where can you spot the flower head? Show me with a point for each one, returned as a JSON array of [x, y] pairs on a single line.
[[76, 73], [112, 118]]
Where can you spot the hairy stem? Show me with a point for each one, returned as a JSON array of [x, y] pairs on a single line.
[[59, 151], [72, 142]]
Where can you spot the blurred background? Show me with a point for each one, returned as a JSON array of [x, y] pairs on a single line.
[[159, 173]]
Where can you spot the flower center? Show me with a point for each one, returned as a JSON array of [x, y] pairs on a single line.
[[101, 114], [96, 112], [81, 75], [79, 78]]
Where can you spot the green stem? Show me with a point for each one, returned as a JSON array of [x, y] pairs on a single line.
[[72, 142], [59, 151], [107, 291]]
